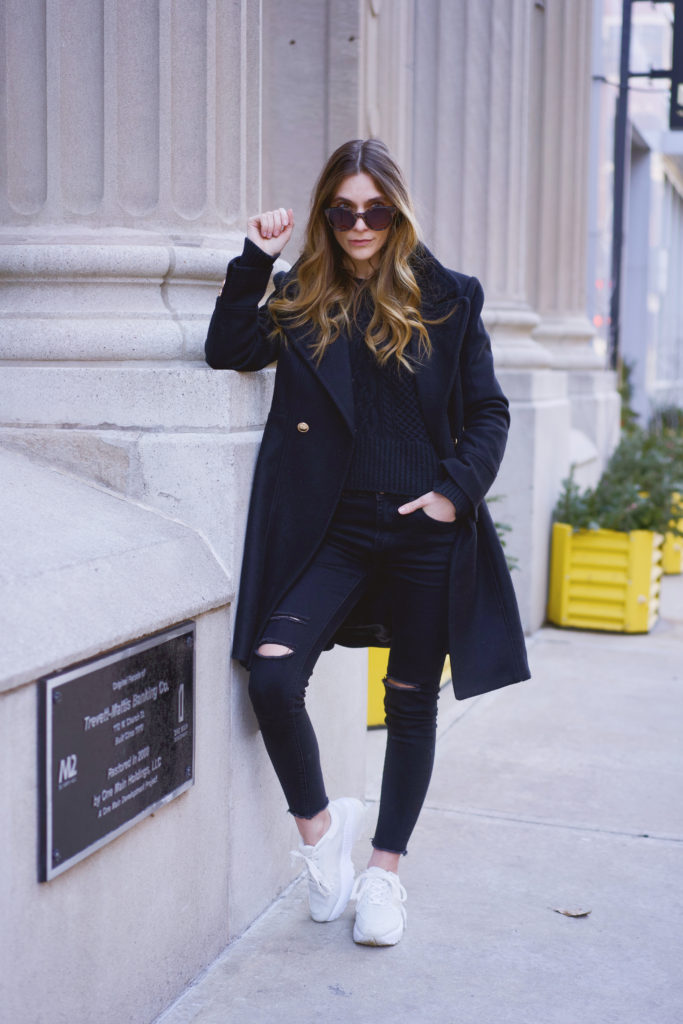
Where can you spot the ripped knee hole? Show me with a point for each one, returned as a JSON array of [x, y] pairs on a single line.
[[397, 684], [271, 650]]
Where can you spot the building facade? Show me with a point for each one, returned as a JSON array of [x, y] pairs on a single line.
[[136, 137], [651, 323]]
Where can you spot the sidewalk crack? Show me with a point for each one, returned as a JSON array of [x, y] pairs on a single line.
[[549, 823]]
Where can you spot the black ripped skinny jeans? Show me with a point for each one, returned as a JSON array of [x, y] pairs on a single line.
[[367, 540]]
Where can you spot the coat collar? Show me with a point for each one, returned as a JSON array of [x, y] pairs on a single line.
[[442, 302], [441, 298]]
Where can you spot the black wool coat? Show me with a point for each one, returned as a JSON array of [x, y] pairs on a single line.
[[306, 452]]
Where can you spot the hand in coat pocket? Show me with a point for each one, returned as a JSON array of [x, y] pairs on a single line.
[[434, 505]]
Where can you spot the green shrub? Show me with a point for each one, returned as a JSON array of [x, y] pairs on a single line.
[[636, 491], [666, 417], [629, 417]]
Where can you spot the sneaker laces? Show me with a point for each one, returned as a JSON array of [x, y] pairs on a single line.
[[314, 872], [379, 889]]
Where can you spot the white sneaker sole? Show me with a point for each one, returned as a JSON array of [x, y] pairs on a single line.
[[354, 815], [390, 939]]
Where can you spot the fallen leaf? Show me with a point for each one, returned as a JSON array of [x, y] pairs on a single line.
[[572, 913]]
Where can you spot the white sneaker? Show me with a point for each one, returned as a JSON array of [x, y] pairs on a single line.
[[380, 914], [329, 864]]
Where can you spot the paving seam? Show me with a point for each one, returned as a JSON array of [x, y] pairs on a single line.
[[548, 823], [636, 644]]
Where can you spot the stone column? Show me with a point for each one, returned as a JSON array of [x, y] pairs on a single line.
[[474, 131], [130, 152], [559, 212], [130, 157], [558, 258], [387, 75], [130, 149], [471, 165], [311, 62]]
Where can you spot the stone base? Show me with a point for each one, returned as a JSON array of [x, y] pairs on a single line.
[[569, 340], [108, 302], [596, 408], [181, 438], [535, 463]]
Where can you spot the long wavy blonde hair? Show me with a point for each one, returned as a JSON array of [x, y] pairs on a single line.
[[324, 293]]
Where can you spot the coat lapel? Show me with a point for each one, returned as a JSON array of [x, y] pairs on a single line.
[[435, 377], [333, 371]]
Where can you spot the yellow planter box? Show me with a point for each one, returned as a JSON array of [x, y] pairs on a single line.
[[672, 552], [378, 658], [604, 579]]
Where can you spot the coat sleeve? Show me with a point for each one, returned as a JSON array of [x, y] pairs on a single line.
[[469, 473], [240, 332]]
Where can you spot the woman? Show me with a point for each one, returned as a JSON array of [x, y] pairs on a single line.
[[367, 523]]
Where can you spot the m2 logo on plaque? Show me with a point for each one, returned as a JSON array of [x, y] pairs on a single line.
[[116, 742]]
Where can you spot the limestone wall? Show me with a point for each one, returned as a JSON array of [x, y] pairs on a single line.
[[135, 139], [82, 571], [130, 156]]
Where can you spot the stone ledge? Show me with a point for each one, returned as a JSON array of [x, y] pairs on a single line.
[[104, 301], [172, 396], [82, 571]]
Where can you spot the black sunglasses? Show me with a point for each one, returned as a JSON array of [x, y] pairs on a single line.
[[377, 218]]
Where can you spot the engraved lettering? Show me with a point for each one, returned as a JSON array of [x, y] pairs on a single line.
[[68, 770], [134, 677], [149, 693]]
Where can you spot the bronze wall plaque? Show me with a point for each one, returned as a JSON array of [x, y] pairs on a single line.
[[116, 742]]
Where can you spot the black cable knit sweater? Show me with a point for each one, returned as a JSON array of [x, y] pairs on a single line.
[[392, 450]]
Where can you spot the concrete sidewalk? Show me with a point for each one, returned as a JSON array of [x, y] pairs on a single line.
[[564, 793]]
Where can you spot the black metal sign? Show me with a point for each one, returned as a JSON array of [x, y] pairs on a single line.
[[116, 742]]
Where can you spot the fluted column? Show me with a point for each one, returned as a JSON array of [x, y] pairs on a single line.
[[311, 53], [387, 74], [130, 132], [558, 260], [475, 178], [129, 158], [471, 164]]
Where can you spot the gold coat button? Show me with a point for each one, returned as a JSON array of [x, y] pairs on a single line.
[[302, 427]]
